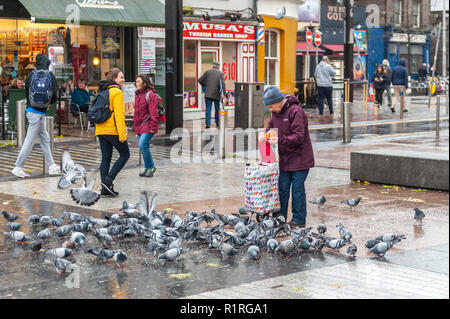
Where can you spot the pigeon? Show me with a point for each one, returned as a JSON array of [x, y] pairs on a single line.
[[74, 217], [305, 244], [272, 244], [321, 228], [227, 250], [176, 244], [320, 201], [102, 253], [44, 234], [345, 234], [62, 265], [171, 254], [351, 251], [57, 222], [34, 219], [36, 245], [71, 171], [64, 230], [120, 257], [45, 220], [381, 248], [253, 251], [371, 243], [390, 237], [243, 211], [100, 222], [85, 196], [286, 247], [18, 236], [419, 215], [302, 231], [82, 226], [60, 252], [104, 239], [154, 246], [13, 226], [77, 238], [126, 205], [9, 216], [336, 244], [352, 202]]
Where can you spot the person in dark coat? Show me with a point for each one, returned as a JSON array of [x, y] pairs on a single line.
[[81, 97], [294, 148], [400, 83], [145, 120], [214, 84], [379, 79]]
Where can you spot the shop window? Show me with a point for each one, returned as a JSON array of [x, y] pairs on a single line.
[[229, 68], [272, 59], [398, 12], [190, 74], [210, 44]]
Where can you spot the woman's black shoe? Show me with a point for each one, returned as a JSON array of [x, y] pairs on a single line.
[[108, 190]]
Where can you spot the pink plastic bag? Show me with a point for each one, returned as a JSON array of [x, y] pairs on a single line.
[[266, 152]]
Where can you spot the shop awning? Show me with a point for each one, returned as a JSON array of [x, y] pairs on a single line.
[[338, 48], [303, 47], [132, 13]]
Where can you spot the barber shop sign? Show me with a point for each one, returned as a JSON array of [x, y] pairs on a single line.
[[102, 4]]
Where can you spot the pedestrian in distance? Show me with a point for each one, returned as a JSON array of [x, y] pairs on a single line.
[[294, 148], [145, 120], [213, 82], [81, 97], [388, 70], [400, 83], [41, 90], [379, 80], [113, 132], [324, 80]]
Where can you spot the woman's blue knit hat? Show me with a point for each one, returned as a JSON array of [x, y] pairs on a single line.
[[272, 95]]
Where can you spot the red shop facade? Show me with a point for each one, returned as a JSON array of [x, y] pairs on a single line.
[[233, 45]]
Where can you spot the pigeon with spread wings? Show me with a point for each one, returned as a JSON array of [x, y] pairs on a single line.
[[85, 196], [71, 171]]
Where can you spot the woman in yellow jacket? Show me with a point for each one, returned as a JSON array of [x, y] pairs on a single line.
[[113, 133]]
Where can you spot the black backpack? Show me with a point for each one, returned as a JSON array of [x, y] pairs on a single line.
[[100, 112]]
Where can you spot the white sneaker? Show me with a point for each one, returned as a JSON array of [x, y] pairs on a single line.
[[55, 169], [19, 172]]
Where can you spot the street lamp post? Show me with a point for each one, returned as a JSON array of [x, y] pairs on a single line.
[[174, 65], [348, 44]]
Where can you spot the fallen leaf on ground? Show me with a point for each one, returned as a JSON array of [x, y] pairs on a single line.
[[298, 288], [419, 190], [366, 182], [169, 209], [336, 285], [180, 276], [416, 200], [385, 193], [213, 265]]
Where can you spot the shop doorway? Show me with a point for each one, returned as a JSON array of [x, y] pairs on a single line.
[[208, 56]]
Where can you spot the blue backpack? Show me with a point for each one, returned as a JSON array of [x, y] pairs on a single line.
[[100, 112], [41, 90]]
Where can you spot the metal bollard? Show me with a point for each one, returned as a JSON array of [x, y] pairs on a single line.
[[438, 114], [49, 121], [20, 111], [347, 120], [342, 107], [402, 104], [223, 116]]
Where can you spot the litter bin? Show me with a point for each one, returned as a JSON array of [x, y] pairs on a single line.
[[249, 106]]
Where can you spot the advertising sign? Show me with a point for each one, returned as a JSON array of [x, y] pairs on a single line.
[[219, 31]]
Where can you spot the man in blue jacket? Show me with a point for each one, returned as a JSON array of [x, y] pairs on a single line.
[[81, 97], [400, 83]]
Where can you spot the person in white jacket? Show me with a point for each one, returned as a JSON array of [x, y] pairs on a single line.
[[324, 81]]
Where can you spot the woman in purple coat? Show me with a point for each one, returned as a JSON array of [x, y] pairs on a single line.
[[145, 120], [294, 148]]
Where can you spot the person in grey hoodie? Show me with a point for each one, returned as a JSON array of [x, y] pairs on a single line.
[[388, 70], [324, 80]]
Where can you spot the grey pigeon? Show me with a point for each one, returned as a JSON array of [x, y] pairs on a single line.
[[44, 234], [336, 244], [62, 265], [320, 201], [272, 244], [120, 257], [71, 171], [64, 230], [286, 247], [154, 247], [176, 243], [36, 245], [13, 226], [60, 252], [126, 205], [34, 219], [302, 231], [243, 211], [345, 234], [351, 251], [82, 226], [85, 196], [104, 238], [381, 248], [228, 250], [321, 228], [9, 216], [57, 222], [74, 217], [18, 236], [171, 254], [390, 237], [372, 242], [77, 238], [253, 251], [102, 253], [45, 220], [419, 215], [352, 202]]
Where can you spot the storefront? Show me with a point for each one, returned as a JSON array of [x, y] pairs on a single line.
[[231, 44], [83, 39]]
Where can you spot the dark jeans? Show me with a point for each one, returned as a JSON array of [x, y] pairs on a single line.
[[107, 143], [379, 96], [296, 180], [209, 103], [328, 93]]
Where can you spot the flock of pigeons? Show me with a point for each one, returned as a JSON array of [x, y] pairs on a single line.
[[167, 237]]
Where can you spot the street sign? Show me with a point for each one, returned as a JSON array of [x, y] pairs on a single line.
[[318, 39], [309, 36]]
